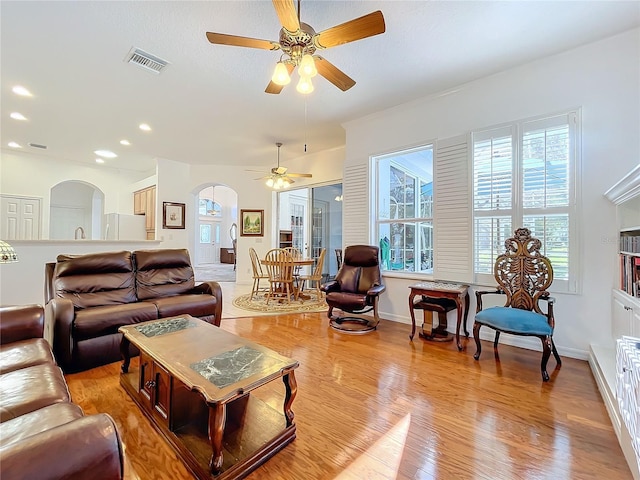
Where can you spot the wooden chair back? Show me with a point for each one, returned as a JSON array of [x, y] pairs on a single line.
[[256, 266], [522, 272], [279, 266]]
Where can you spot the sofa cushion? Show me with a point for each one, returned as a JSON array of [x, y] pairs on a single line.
[[28, 389], [95, 279], [162, 273], [99, 321], [524, 322], [196, 305], [38, 421], [347, 301], [25, 353]]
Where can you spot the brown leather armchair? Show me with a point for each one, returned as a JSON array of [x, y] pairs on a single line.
[[355, 290]]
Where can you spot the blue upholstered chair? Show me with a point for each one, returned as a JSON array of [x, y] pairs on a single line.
[[523, 275]]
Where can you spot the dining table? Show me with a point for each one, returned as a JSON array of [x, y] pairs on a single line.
[[298, 262]]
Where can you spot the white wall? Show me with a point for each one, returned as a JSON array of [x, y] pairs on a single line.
[[604, 79], [35, 175], [30, 175]]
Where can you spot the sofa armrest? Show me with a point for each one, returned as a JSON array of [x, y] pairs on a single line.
[[62, 318], [21, 323], [212, 288], [88, 447]]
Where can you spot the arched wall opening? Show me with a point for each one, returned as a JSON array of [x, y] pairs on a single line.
[[76, 211]]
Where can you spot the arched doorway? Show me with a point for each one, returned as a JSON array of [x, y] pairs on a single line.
[[75, 211], [217, 207]]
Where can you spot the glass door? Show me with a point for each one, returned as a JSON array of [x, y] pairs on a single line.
[[314, 216]]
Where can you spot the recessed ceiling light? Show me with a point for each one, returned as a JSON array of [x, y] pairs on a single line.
[[20, 90], [145, 127], [99, 160], [17, 116], [125, 142], [14, 145], [105, 153]]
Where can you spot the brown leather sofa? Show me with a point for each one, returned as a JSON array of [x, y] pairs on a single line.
[[42, 434], [90, 296]]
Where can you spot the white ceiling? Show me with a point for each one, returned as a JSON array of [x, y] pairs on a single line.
[[209, 107]]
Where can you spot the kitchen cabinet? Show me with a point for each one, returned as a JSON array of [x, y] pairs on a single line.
[[144, 203]]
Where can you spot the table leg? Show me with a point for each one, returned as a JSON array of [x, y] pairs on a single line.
[[413, 317], [459, 312], [217, 419], [466, 314], [291, 389], [124, 352], [427, 319]]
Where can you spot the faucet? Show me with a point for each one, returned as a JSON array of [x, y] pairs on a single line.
[[75, 234]]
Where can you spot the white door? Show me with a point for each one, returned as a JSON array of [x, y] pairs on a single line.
[[208, 247], [20, 218]]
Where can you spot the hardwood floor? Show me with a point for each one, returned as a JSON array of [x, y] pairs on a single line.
[[378, 406]]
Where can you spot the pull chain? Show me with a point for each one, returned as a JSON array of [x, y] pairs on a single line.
[[305, 125]]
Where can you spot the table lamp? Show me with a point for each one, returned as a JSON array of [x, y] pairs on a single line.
[[7, 253]]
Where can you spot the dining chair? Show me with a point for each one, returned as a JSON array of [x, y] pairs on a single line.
[[316, 275], [523, 275], [258, 273], [279, 266], [296, 253]]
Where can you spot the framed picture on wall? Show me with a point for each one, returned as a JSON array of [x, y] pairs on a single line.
[[252, 223], [172, 215]]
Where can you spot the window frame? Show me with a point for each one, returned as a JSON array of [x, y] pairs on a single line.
[[518, 212], [417, 222]]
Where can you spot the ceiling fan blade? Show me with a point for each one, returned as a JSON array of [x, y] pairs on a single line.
[[235, 41], [302, 175], [356, 29], [334, 74], [274, 87], [286, 11]]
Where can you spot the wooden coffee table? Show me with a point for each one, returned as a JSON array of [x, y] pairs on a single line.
[[194, 382]]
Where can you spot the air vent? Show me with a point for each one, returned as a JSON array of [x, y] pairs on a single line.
[[37, 145], [145, 60]]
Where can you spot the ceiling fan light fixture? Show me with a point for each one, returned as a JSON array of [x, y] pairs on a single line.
[[307, 66], [281, 74], [269, 182], [304, 85]]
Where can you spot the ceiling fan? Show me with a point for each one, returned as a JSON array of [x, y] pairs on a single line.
[[279, 177], [299, 42]]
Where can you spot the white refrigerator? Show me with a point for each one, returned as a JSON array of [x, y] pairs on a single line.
[[118, 226]]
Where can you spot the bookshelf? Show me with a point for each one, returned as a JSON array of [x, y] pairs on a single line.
[[625, 306], [285, 238]]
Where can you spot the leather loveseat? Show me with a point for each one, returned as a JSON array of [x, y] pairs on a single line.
[[90, 296], [42, 434]]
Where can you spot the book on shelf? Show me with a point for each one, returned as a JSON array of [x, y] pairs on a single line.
[[630, 243], [630, 274]]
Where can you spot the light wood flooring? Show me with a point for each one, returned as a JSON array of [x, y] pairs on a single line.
[[378, 406]]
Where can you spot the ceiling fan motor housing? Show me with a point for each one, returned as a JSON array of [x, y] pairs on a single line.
[[297, 44]]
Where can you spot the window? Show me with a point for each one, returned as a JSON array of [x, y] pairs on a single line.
[[524, 175], [209, 207], [404, 219]]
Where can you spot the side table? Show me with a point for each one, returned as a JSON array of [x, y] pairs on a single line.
[[440, 290]]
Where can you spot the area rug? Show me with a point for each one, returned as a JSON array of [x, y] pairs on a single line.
[[259, 304]]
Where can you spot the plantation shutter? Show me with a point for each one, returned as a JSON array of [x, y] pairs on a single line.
[[453, 215], [355, 206], [546, 188], [493, 184]]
